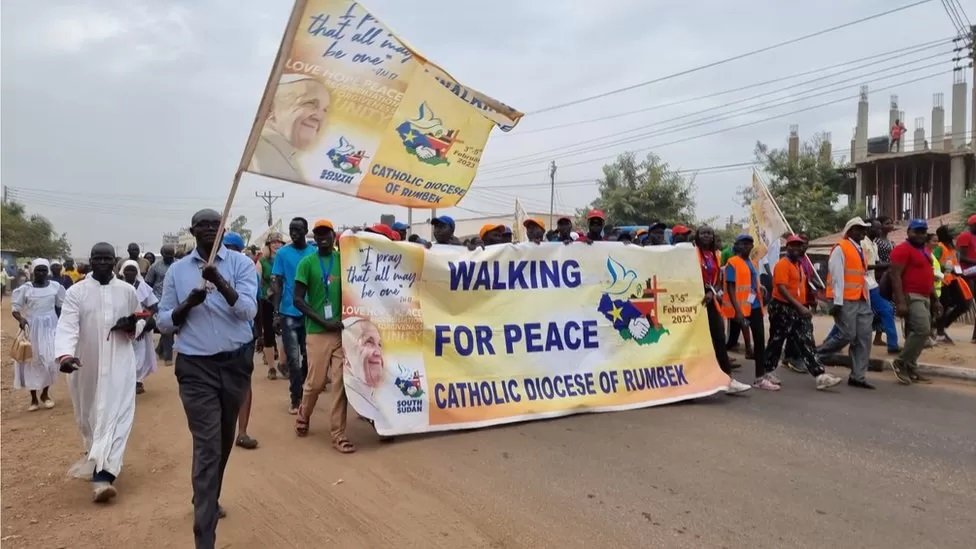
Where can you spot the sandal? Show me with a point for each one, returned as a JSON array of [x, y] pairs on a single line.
[[246, 442], [272, 374], [301, 424], [342, 445]]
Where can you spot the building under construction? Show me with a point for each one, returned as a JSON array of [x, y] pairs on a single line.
[[918, 177]]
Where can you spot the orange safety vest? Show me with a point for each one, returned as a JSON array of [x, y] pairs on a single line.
[[950, 260], [743, 287], [800, 291], [854, 270]]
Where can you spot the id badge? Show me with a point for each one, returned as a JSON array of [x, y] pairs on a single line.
[[752, 298], [327, 311]]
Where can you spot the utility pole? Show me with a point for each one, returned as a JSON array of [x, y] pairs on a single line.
[[552, 192], [269, 199]]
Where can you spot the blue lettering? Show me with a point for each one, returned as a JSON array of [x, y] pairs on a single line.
[[483, 335], [532, 337], [461, 274], [440, 339], [513, 334], [439, 396], [680, 371]]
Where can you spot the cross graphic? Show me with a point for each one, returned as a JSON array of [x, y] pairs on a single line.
[[651, 292]]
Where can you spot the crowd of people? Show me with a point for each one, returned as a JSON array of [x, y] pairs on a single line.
[[96, 322]]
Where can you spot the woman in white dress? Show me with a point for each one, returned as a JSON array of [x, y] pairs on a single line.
[[143, 345], [36, 305]]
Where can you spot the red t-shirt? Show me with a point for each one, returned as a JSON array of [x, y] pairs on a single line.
[[967, 240], [919, 275]]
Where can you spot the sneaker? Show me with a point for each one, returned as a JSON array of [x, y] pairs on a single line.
[[930, 343], [736, 386], [826, 381], [33, 407], [919, 378], [944, 338], [900, 373], [48, 403], [794, 367], [103, 492], [774, 378], [766, 385]]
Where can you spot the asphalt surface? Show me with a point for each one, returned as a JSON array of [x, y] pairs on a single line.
[[889, 469]]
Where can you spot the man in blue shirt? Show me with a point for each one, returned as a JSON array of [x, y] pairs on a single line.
[[290, 320], [212, 306]]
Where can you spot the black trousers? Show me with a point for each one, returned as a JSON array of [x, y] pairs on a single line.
[[953, 305], [716, 327], [212, 389], [757, 328]]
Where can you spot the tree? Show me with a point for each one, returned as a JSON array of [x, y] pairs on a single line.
[[633, 193], [968, 209], [32, 236], [807, 190], [239, 226]]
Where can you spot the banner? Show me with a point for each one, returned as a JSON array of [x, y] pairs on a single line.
[[766, 225], [351, 108], [448, 338]]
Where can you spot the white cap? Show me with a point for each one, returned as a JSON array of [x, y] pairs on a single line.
[[855, 222]]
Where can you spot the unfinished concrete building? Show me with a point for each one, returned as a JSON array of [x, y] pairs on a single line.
[[923, 178]]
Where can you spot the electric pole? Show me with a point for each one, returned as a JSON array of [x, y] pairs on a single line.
[[552, 192], [269, 199]]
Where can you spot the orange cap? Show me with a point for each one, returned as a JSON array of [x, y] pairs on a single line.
[[534, 221], [323, 223], [485, 229]]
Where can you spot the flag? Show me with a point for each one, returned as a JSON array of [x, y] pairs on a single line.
[[518, 227], [766, 225], [350, 108]]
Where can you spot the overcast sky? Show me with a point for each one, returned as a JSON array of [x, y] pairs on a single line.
[[120, 118]]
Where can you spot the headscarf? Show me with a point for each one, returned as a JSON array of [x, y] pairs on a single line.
[[38, 262], [132, 263]]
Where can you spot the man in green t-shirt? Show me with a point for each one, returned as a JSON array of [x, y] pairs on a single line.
[[318, 296]]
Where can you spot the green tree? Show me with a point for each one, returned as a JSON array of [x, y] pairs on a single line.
[[968, 209], [239, 226], [808, 189], [31, 235], [633, 193]]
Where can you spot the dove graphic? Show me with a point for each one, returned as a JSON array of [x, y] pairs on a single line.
[[344, 146], [427, 122], [622, 279]]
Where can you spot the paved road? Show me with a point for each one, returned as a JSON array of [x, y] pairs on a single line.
[[888, 469]]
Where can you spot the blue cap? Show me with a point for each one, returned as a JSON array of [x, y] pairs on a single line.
[[918, 224], [443, 220], [232, 239], [508, 230], [398, 226], [744, 236]]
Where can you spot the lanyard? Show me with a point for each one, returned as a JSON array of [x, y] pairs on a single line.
[[326, 273], [708, 265]]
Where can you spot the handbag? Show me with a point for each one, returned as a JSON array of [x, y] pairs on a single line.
[[22, 350]]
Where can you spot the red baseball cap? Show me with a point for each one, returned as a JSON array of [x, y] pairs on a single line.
[[680, 229], [596, 214], [972, 220], [382, 229], [795, 239]]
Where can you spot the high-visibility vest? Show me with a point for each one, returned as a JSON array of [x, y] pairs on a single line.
[[716, 281], [743, 287], [950, 260], [855, 288]]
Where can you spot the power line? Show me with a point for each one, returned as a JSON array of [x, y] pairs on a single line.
[[736, 127], [587, 145], [888, 56], [729, 59]]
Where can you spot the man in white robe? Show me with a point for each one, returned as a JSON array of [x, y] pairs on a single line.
[[101, 365]]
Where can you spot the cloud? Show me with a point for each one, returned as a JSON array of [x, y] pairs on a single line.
[[118, 37]]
